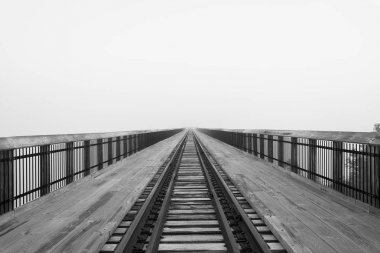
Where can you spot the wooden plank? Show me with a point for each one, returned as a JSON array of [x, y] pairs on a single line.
[[192, 238], [193, 211], [191, 217], [275, 246], [182, 199], [39, 140], [191, 223], [195, 191], [359, 137], [194, 247], [188, 206], [192, 230]]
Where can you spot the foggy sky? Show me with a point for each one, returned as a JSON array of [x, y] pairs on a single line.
[[101, 66]]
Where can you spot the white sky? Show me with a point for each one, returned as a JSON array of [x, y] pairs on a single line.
[[93, 66]]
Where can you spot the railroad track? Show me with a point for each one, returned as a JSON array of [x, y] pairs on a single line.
[[191, 205]]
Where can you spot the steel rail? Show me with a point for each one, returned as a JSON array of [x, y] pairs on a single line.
[[149, 227], [244, 218], [231, 243], [127, 242], [157, 230]]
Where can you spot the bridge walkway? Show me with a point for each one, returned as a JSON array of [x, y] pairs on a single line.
[[80, 216], [306, 216]]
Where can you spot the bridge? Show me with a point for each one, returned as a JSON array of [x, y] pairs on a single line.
[[191, 190]]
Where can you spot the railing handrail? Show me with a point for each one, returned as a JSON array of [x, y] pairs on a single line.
[[38, 140], [372, 138]]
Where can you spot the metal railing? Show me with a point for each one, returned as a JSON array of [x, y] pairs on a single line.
[[346, 162], [31, 167]]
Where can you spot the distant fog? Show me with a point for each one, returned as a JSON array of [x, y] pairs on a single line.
[[101, 66]]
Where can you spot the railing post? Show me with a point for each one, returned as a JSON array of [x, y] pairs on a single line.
[[125, 146], [337, 164], [250, 143], [280, 150], [312, 159], [148, 139], [69, 162], [87, 158], [294, 155], [377, 175], [110, 155], [129, 144], [6, 181], [100, 153], [134, 143], [44, 169], [270, 148], [245, 142], [254, 140], [262, 152], [139, 141], [118, 148]]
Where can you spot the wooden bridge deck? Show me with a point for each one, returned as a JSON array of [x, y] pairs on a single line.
[[80, 216], [305, 216]]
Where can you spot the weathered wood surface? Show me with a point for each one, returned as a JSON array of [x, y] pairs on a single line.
[[80, 216], [306, 216], [195, 247], [36, 140], [357, 137]]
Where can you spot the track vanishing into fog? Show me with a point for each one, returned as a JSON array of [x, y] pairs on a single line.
[[191, 205]]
